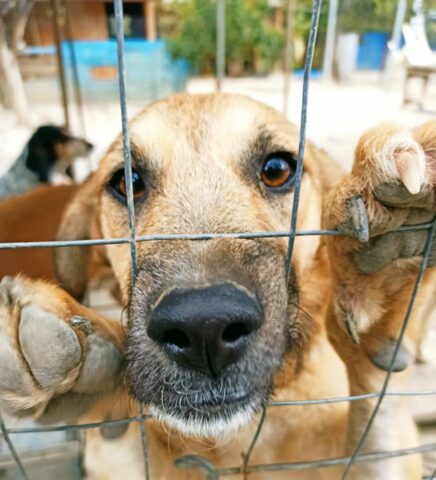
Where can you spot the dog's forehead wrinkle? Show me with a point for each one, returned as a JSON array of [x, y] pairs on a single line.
[[216, 130]]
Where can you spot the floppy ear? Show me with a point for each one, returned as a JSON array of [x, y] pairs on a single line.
[[40, 160], [79, 222]]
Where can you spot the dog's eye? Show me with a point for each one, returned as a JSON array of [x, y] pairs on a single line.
[[278, 170], [118, 184]]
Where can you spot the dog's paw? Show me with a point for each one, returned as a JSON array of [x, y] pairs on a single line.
[[53, 351], [392, 184]]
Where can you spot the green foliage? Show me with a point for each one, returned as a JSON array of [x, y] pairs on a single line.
[[251, 40], [302, 20], [303, 16], [367, 15]]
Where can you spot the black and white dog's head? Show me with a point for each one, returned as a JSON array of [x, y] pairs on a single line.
[[51, 146]]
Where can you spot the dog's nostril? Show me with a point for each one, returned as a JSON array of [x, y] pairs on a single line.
[[176, 337], [205, 329], [232, 333]]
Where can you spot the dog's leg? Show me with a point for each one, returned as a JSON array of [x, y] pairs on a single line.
[[57, 358], [428, 310], [374, 269]]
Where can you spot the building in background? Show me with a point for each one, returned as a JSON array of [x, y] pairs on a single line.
[[93, 20], [90, 53]]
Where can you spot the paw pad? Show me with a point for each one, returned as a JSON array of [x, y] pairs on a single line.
[[51, 349]]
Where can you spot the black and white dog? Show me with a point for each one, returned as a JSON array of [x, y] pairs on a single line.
[[49, 148]]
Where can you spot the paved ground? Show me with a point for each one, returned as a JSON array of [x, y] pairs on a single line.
[[337, 115]]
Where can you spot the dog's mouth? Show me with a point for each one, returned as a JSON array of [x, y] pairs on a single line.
[[224, 399], [191, 402], [203, 358], [208, 415]]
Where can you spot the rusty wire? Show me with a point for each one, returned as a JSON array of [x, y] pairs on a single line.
[[193, 461]]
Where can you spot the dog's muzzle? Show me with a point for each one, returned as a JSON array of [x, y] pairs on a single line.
[[205, 329], [202, 358]]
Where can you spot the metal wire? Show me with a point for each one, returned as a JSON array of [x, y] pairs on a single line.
[[367, 457], [253, 442], [188, 236], [78, 426], [289, 403], [119, 25], [140, 418], [299, 172], [119, 22], [12, 449]]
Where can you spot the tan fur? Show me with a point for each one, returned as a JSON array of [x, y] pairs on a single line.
[[215, 133]]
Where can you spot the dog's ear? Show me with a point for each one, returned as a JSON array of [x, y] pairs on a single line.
[[40, 160], [41, 153], [79, 222]]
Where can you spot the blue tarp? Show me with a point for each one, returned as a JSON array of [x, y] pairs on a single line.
[[151, 73], [372, 51]]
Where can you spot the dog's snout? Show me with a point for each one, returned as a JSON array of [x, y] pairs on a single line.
[[205, 329]]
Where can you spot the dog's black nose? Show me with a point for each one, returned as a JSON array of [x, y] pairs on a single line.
[[205, 328]]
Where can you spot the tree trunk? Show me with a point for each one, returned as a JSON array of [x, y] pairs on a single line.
[[13, 94], [15, 22]]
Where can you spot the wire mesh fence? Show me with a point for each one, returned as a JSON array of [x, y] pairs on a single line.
[[198, 462]]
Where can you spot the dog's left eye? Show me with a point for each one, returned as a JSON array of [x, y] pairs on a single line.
[[278, 170], [118, 184]]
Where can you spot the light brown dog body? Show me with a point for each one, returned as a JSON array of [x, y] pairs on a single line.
[[201, 158]]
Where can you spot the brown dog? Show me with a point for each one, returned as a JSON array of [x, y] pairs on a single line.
[[214, 329], [35, 217], [32, 217]]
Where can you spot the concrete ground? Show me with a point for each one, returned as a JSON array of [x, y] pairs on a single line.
[[337, 115]]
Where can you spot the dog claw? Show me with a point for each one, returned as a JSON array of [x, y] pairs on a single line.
[[411, 172], [351, 326], [359, 218], [357, 224], [81, 323], [381, 354]]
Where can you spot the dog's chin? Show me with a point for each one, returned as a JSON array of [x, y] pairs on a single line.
[[215, 426]]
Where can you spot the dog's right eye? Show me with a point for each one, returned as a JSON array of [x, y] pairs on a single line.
[[278, 170], [118, 187]]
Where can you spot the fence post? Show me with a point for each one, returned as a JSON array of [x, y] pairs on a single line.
[[220, 43], [60, 61], [289, 53], [329, 51]]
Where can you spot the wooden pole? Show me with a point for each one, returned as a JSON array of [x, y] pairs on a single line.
[[329, 50], [150, 20], [394, 44], [60, 61], [398, 25], [289, 53], [75, 71], [220, 43]]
